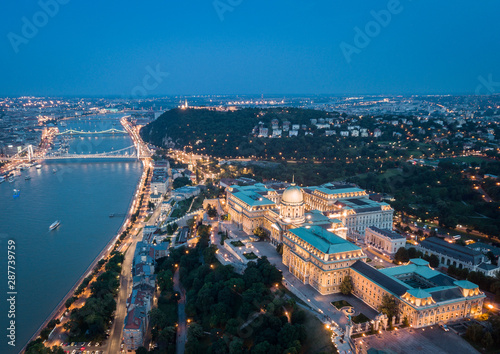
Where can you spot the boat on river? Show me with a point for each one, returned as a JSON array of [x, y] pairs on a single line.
[[54, 225]]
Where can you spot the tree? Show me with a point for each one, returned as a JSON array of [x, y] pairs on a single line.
[[433, 261], [448, 222], [406, 323], [167, 336], [70, 302], [474, 332], [236, 346], [37, 347], [346, 286], [389, 306], [279, 248], [157, 318], [211, 212], [401, 255], [261, 233], [487, 340], [261, 348], [141, 350], [44, 334], [181, 182]]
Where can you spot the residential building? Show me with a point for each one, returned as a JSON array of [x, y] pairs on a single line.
[[135, 328]]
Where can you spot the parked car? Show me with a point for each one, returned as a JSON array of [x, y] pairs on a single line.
[[444, 327]]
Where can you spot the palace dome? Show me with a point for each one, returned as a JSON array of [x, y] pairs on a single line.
[[293, 195]]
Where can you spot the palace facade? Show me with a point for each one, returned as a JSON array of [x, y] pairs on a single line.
[[425, 296], [340, 208], [314, 225], [319, 257]]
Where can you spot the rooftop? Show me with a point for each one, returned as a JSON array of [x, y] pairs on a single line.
[[415, 267], [385, 281], [419, 293], [409, 278], [478, 246], [323, 240], [332, 189], [361, 204], [134, 318], [465, 284], [388, 233], [452, 250], [446, 294], [253, 198]]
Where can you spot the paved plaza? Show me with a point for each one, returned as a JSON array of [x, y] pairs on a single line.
[[430, 340]]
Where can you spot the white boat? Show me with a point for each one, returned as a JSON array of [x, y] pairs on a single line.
[[2, 179], [11, 179], [27, 178], [38, 166], [54, 225], [54, 170]]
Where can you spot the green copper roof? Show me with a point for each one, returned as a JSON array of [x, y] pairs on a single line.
[[419, 293], [422, 270], [253, 199], [419, 261], [465, 284], [324, 241]]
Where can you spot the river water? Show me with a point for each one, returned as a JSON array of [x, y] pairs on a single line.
[[79, 193]]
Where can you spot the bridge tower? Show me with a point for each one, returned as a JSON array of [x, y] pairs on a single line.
[[138, 152], [30, 152]]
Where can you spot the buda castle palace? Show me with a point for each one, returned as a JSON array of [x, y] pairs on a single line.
[[322, 230]]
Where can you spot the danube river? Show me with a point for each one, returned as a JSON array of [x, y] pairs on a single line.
[[79, 193]]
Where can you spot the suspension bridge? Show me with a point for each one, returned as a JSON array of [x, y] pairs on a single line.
[[81, 132], [130, 152], [136, 151]]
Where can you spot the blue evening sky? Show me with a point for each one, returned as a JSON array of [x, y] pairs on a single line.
[[107, 47]]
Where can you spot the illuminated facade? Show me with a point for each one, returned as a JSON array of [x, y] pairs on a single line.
[[247, 206], [255, 206], [384, 240], [280, 210], [317, 252], [319, 257], [425, 296]]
